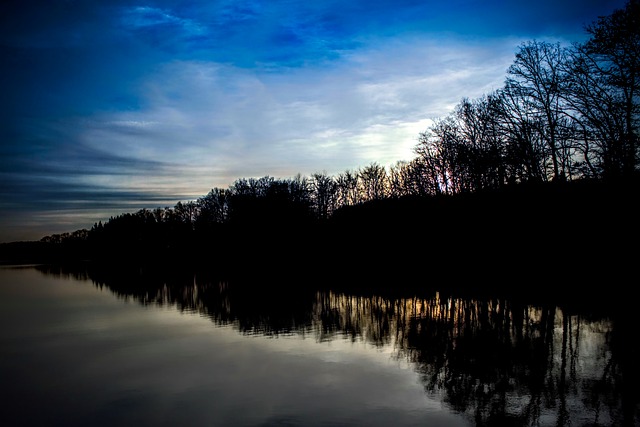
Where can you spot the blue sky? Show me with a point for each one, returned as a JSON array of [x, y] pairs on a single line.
[[113, 106]]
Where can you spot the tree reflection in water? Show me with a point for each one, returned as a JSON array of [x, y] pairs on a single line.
[[500, 361]]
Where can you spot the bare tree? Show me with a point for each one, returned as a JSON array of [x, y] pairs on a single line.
[[373, 181], [400, 179], [525, 150], [214, 207], [423, 177], [481, 150], [299, 190], [347, 188], [610, 63], [187, 212], [324, 194], [536, 77], [438, 149]]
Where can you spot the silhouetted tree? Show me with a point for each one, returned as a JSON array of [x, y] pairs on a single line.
[[536, 76], [525, 149], [324, 194], [213, 208], [400, 180], [440, 150], [604, 88], [187, 212], [615, 46], [423, 177], [348, 188], [481, 150], [373, 181], [300, 191]]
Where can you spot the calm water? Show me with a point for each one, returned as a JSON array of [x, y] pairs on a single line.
[[80, 349]]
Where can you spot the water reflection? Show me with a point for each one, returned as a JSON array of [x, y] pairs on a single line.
[[497, 360]]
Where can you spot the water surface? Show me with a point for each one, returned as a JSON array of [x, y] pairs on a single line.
[[87, 349]]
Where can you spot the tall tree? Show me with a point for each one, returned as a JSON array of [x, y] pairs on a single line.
[[614, 48], [439, 149], [598, 112], [481, 151], [536, 77], [525, 150]]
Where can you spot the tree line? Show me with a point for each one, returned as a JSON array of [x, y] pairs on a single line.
[[564, 114]]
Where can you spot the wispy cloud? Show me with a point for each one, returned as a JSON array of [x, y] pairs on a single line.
[[368, 107]]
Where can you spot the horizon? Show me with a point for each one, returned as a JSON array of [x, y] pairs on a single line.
[[118, 106]]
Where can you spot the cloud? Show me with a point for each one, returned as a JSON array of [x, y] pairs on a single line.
[[239, 123], [41, 204], [74, 186], [203, 124]]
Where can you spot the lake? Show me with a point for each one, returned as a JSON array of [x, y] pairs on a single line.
[[84, 347]]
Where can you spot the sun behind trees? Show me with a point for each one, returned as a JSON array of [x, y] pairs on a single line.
[[542, 171]]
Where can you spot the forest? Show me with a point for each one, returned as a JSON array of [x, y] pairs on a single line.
[[541, 174]]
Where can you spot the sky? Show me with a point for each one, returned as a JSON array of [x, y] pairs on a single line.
[[113, 106]]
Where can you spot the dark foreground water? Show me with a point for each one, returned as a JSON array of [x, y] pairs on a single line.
[[83, 349]]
